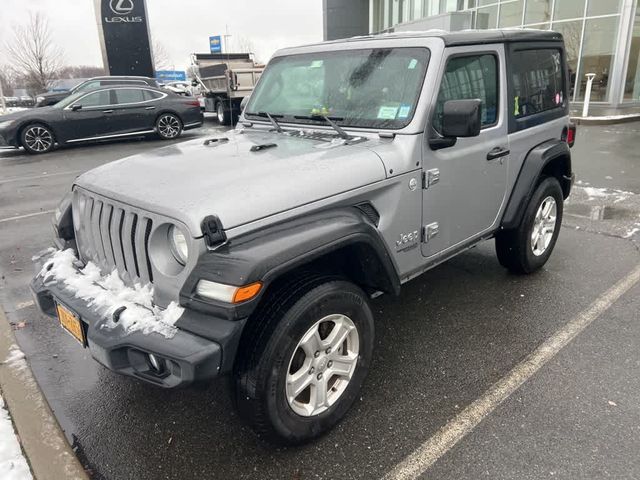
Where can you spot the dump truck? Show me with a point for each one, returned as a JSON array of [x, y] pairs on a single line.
[[225, 79]]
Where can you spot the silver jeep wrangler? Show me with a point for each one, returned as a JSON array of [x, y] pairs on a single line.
[[357, 165]]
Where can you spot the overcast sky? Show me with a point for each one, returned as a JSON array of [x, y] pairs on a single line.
[[181, 26]]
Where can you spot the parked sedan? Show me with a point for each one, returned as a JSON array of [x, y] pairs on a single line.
[[51, 98], [101, 114]]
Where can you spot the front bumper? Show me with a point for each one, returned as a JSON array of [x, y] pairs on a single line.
[[187, 357]]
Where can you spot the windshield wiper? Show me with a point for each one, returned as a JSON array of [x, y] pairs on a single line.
[[271, 118], [330, 121]]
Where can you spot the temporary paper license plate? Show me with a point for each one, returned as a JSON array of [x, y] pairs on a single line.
[[71, 323]]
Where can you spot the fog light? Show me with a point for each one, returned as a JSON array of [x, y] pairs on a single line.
[[156, 363]]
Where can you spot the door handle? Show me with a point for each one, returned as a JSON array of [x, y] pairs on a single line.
[[107, 111], [497, 152], [150, 108]]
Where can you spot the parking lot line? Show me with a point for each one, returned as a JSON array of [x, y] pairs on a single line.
[[456, 429], [20, 217], [35, 177]]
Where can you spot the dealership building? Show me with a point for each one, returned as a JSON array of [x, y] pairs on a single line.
[[601, 36]]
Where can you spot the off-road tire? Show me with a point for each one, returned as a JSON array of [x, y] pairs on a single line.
[[269, 342], [513, 247]]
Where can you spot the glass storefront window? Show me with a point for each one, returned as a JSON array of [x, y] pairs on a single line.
[[565, 10], [572, 33], [487, 17], [632, 81], [486, 2], [538, 11], [602, 7], [511, 14], [597, 56]]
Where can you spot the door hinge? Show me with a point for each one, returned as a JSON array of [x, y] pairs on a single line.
[[430, 177], [430, 231]]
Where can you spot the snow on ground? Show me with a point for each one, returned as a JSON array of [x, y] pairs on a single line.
[[13, 465], [12, 110], [607, 193], [107, 293]]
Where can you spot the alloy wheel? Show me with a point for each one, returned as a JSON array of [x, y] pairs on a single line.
[[544, 226], [322, 365], [169, 126], [38, 139]]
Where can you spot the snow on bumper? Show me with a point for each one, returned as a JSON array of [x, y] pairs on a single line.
[[141, 329]]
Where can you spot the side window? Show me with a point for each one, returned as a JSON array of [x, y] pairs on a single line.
[[537, 81], [96, 99], [129, 95], [467, 77], [88, 86], [151, 95]]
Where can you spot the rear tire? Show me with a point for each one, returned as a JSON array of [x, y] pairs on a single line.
[[292, 383], [37, 138], [224, 114], [527, 248], [168, 126]]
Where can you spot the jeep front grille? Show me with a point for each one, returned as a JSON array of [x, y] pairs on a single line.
[[113, 236]]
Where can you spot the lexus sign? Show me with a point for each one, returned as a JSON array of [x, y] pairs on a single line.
[[124, 32]]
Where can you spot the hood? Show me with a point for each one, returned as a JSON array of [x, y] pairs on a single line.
[[59, 95], [189, 181], [21, 114]]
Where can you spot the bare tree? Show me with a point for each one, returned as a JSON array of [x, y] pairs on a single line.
[[33, 54], [161, 60], [242, 44], [5, 84], [81, 71]]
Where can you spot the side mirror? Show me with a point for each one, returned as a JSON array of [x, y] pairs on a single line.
[[460, 118], [194, 83], [244, 102], [75, 107]]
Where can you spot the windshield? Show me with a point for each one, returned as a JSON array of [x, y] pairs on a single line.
[[376, 88]]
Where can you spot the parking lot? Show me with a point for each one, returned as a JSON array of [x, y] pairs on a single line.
[[453, 333]]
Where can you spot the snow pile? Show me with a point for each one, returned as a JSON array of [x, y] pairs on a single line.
[[608, 193], [15, 358], [13, 465], [13, 110], [107, 293]]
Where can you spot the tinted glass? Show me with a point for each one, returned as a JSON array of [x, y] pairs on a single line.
[[487, 17], [632, 82], [129, 95], [370, 88], [603, 7], [597, 56], [96, 99], [572, 9], [470, 77], [511, 14], [87, 86], [537, 81], [537, 11], [151, 95]]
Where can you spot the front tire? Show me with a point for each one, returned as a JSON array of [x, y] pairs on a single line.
[[527, 248], [168, 126], [304, 359], [37, 138]]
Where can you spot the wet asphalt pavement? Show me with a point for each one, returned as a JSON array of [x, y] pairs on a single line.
[[452, 333]]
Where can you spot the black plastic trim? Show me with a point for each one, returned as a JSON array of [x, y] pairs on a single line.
[[534, 163]]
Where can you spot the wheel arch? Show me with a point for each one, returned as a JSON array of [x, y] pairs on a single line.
[[26, 123], [334, 242], [550, 158], [165, 111]]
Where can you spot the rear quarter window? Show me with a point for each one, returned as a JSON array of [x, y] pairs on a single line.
[[537, 82]]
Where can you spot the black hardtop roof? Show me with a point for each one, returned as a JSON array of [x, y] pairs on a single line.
[[471, 37]]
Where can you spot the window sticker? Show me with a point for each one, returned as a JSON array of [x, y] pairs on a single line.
[[516, 110], [404, 110], [316, 64], [387, 112], [412, 64]]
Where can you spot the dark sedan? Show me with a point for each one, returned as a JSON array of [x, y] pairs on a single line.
[[51, 98], [101, 114]]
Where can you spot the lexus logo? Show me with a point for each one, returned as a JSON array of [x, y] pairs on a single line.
[[121, 7]]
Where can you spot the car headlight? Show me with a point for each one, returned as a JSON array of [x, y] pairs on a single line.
[[39, 99], [6, 124], [178, 244]]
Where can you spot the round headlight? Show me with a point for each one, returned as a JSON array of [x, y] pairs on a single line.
[[178, 244]]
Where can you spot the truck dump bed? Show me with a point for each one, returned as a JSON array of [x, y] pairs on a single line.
[[232, 75]]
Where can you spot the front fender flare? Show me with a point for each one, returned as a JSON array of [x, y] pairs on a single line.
[[267, 254]]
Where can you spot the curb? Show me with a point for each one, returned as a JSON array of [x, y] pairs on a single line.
[[605, 120], [42, 440]]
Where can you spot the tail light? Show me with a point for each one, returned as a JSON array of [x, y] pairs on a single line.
[[569, 134], [193, 103]]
